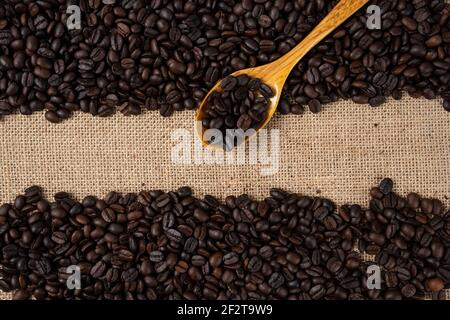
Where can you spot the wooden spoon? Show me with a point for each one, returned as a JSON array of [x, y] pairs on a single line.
[[275, 73]]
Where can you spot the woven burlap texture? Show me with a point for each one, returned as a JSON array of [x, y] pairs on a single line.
[[339, 153]]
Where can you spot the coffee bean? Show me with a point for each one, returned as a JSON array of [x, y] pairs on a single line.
[[153, 48], [130, 275], [229, 83], [216, 260], [174, 235], [21, 294], [59, 237], [435, 284], [276, 280], [434, 41], [4, 286], [408, 290], [255, 264], [108, 215], [114, 228], [230, 258], [176, 67], [244, 122], [386, 186], [97, 54], [5, 37], [266, 91], [98, 269], [266, 252], [317, 292], [393, 295], [156, 256], [315, 106]]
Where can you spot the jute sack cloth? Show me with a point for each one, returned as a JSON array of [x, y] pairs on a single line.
[[339, 153]]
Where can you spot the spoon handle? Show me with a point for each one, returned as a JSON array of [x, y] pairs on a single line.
[[340, 13]]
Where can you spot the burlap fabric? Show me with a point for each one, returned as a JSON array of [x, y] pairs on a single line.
[[339, 153]]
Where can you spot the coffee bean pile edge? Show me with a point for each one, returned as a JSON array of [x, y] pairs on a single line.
[[166, 55], [157, 245]]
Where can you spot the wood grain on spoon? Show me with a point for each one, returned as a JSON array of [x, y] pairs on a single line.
[[276, 73]]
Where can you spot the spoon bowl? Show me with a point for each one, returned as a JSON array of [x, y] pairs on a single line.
[[275, 74]]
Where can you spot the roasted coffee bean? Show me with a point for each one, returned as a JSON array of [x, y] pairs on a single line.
[[230, 258], [125, 255], [59, 237], [156, 256], [435, 284], [229, 83], [5, 37], [386, 186], [98, 269], [52, 116], [130, 275], [176, 67], [317, 292], [315, 106], [21, 294], [174, 235], [276, 280], [408, 290], [108, 215], [255, 264]]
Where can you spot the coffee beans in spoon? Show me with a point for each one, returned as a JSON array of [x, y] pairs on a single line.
[[130, 56], [241, 104]]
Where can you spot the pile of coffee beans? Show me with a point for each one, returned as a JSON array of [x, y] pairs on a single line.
[[409, 238], [165, 55], [242, 103], [158, 245]]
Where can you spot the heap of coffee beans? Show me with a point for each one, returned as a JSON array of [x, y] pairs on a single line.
[[166, 55], [157, 245], [410, 239], [242, 103]]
